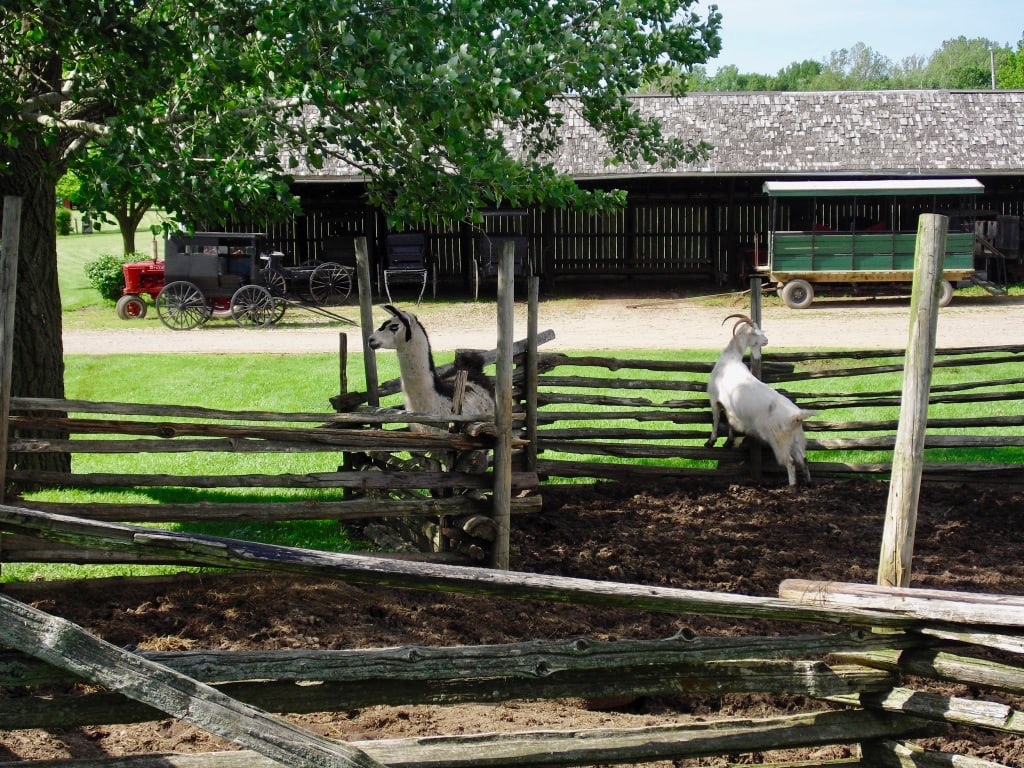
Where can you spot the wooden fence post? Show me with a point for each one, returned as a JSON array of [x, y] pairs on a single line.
[[905, 481], [9, 240], [365, 282], [502, 498]]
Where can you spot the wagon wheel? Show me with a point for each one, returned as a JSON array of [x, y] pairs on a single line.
[[274, 281], [181, 306], [474, 280], [131, 306], [945, 293], [252, 306], [330, 284], [797, 294]]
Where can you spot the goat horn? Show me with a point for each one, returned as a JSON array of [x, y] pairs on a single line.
[[742, 319]]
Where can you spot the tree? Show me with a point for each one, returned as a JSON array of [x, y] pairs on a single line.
[[961, 63], [207, 104], [1010, 69]]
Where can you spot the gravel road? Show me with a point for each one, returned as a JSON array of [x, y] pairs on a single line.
[[621, 323]]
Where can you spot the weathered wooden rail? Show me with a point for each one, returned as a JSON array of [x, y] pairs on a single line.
[[866, 689]]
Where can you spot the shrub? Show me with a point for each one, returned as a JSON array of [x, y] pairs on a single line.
[[104, 273], [63, 221]]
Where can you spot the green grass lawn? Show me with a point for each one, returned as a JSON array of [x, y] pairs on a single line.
[[76, 250]]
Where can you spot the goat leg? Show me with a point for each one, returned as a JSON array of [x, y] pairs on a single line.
[[716, 411]]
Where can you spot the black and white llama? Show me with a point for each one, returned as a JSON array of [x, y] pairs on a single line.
[[423, 388]]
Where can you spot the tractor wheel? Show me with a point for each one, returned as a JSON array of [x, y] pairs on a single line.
[[131, 306], [252, 306], [182, 306], [797, 294], [330, 284]]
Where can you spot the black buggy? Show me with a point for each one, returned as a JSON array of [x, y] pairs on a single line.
[[233, 275]]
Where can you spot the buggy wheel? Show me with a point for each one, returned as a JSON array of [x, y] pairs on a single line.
[[131, 307], [330, 284], [797, 294], [252, 306], [273, 280], [182, 306]]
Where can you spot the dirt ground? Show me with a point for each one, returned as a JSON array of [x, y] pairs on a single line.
[[731, 538], [741, 538]]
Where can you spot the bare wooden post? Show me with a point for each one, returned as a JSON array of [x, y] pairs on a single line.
[[9, 239], [905, 483], [503, 407], [756, 450], [366, 320], [531, 378], [343, 362]]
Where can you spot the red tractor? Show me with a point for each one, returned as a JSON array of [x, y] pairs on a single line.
[[140, 277]]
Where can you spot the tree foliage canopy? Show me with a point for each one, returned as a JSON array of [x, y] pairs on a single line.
[[199, 102]]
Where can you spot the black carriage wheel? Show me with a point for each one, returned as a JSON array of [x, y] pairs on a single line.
[[182, 306], [273, 280], [330, 284], [252, 306], [131, 306]]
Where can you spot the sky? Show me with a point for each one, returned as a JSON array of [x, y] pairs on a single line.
[[764, 36]]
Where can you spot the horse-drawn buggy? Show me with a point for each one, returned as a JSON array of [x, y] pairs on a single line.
[[229, 275]]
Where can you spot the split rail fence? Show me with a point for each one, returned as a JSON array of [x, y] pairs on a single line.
[[854, 679], [636, 419]]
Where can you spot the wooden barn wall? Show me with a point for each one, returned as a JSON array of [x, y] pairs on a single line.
[[715, 228]]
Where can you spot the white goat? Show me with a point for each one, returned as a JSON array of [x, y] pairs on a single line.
[[753, 408], [423, 389]]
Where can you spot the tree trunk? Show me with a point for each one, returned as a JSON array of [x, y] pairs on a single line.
[[38, 352], [129, 216]]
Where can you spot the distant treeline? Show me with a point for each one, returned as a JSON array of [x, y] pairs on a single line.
[[959, 64]]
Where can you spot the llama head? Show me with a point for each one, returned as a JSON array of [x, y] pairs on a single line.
[[397, 331]]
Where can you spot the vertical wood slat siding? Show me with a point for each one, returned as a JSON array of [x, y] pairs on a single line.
[[681, 230]]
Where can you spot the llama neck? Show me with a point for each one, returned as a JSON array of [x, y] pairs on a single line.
[[417, 368]]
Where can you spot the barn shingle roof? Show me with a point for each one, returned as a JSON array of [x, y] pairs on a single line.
[[893, 133]]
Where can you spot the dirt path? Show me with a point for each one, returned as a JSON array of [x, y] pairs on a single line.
[[620, 323]]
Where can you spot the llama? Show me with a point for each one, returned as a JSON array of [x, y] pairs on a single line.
[[752, 407], [423, 388]]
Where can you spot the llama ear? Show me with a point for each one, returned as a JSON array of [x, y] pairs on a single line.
[[390, 308]]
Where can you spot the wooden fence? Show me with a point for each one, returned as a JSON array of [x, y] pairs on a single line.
[[651, 418], [859, 678], [371, 482]]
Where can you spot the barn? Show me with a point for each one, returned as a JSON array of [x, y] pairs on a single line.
[[708, 220]]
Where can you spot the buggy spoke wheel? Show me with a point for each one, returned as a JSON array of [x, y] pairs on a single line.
[[330, 284], [252, 306], [182, 306], [273, 280]]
